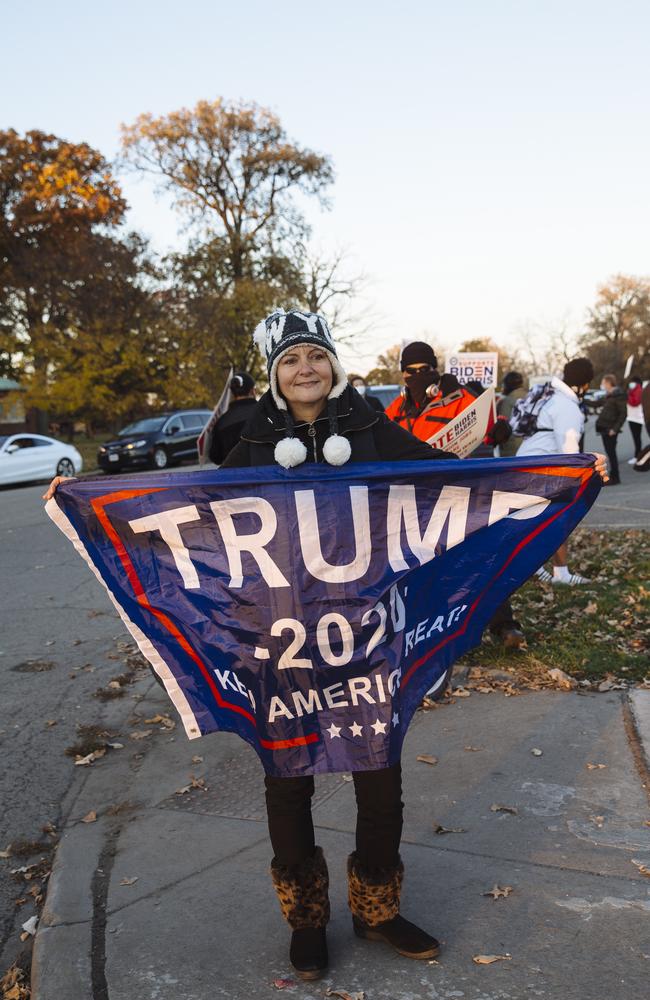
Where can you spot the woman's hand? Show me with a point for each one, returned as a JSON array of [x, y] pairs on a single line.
[[51, 490], [601, 467]]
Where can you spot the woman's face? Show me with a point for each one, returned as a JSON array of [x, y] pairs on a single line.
[[305, 375]]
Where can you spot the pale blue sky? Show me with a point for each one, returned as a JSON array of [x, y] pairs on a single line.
[[492, 158]]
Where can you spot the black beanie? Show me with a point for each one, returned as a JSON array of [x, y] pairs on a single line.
[[418, 353], [512, 381], [241, 384], [578, 372]]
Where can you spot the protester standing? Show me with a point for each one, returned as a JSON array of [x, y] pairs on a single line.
[[360, 384], [427, 402], [311, 414], [558, 423], [635, 413], [229, 426], [513, 390], [609, 423], [645, 405]]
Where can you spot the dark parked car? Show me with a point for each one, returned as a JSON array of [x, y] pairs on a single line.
[[154, 442]]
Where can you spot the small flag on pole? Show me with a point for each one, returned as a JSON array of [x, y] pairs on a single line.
[[205, 437]]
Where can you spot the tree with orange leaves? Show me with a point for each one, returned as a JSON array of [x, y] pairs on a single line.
[[58, 205]]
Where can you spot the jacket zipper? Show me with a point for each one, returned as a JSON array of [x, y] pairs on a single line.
[[311, 431]]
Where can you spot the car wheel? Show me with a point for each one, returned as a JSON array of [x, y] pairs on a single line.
[[160, 458], [65, 467]]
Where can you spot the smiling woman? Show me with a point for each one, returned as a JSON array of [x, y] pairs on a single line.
[[311, 414]]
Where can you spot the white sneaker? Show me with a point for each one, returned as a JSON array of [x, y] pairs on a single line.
[[574, 580], [631, 461]]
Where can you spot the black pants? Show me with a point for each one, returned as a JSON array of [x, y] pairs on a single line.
[[635, 428], [379, 817], [609, 444], [503, 619]]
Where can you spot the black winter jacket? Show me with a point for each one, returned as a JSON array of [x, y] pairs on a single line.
[[613, 413], [228, 428], [373, 437]]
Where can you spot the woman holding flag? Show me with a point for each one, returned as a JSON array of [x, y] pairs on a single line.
[[311, 414]]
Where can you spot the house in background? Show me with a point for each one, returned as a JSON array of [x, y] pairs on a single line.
[[13, 417]]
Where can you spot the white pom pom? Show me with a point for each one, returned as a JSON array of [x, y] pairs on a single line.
[[259, 337], [289, 452], [337, 450]]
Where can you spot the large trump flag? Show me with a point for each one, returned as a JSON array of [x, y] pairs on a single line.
[[309, 610]]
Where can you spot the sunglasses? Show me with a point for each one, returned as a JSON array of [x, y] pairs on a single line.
[[417, 369]]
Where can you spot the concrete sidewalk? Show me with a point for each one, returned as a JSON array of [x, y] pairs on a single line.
[[167, 896]]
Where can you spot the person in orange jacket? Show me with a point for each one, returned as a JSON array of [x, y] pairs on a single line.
[[430, 400], [427, 402]]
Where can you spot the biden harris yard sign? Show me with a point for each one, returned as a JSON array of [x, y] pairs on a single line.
[[309, 610]]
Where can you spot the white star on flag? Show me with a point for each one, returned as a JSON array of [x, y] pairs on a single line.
[[395, 719], [334, 731], [356, 729], [379, 727]]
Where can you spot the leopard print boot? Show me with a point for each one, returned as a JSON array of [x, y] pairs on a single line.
[[374, 898], [302, 891]]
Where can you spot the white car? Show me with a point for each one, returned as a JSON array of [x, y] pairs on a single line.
[[26, 457]]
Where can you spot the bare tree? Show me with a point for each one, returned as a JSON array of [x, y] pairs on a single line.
[[333, 288]]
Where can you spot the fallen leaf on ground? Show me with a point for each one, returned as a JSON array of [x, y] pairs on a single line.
[[114, 685], [497, 808], [129, 881], [90, 758], [437, 828], [283, 984], [90, 817], [499, 891], [140, 734], [597, 820], [50, 722], [14, 985], [163, 720], [115, 746], [536, 752], [643, 869], [561, 679], [596, 767], [489, 959], [427, 758], [474, 749], [198, 760], [591, 608], [460, 692], [344, 995], [199, 783], [7, 852]]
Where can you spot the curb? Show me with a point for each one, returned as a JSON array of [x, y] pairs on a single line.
[[639, 701]]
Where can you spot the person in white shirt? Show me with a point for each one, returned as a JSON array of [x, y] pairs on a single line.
[[560, 424]]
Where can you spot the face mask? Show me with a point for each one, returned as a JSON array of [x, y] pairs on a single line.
[[603, 387], [418, 384], [361, 389]]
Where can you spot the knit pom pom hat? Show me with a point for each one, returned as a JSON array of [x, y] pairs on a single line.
[[279, 333]]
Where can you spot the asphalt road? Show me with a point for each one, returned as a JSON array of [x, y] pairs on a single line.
[[59, 644]]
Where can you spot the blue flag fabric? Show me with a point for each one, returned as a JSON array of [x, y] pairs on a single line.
[[309, 610]]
